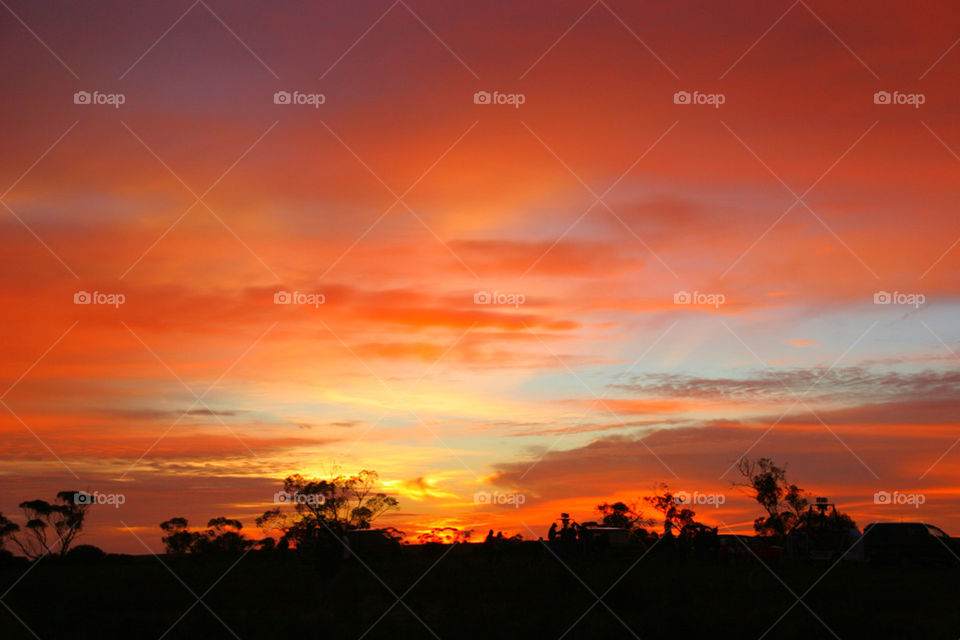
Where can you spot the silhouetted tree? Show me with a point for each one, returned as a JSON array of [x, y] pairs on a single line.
[[674, 512], [179, 538], [50, 528], [393, 534], [7, 529], [444, 535], [267, 544], [783, 502], [620, 514], [340, 504], [222, 535]]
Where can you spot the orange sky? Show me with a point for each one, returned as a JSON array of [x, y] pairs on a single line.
[[398, 199]]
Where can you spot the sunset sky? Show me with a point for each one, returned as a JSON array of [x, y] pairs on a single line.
[[587, 209]]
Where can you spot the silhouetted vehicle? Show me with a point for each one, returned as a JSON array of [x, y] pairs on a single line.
[[909, 542]]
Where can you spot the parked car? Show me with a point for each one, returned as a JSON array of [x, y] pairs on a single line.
[[909, 542]]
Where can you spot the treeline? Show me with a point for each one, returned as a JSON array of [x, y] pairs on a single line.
[[786, 507], [321, 512], [308, 511]]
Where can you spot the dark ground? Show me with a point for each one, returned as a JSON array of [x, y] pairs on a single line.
[[468, 593]]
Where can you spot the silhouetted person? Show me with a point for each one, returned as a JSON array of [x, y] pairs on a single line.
[[552, 534], [493, 546]]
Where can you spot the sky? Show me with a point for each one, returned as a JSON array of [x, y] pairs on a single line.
[[518, 259]]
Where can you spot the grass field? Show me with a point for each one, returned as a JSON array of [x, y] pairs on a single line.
[[468, 593]]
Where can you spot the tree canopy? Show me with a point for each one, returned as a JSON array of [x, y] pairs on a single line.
[[339, 504], [50, 528]]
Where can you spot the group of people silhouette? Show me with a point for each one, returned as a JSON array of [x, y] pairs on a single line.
[[493, 539], [694, 540], [569, 532]]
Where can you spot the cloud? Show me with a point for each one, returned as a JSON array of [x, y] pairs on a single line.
[[802, 343], [855, 383], [419, 489]]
